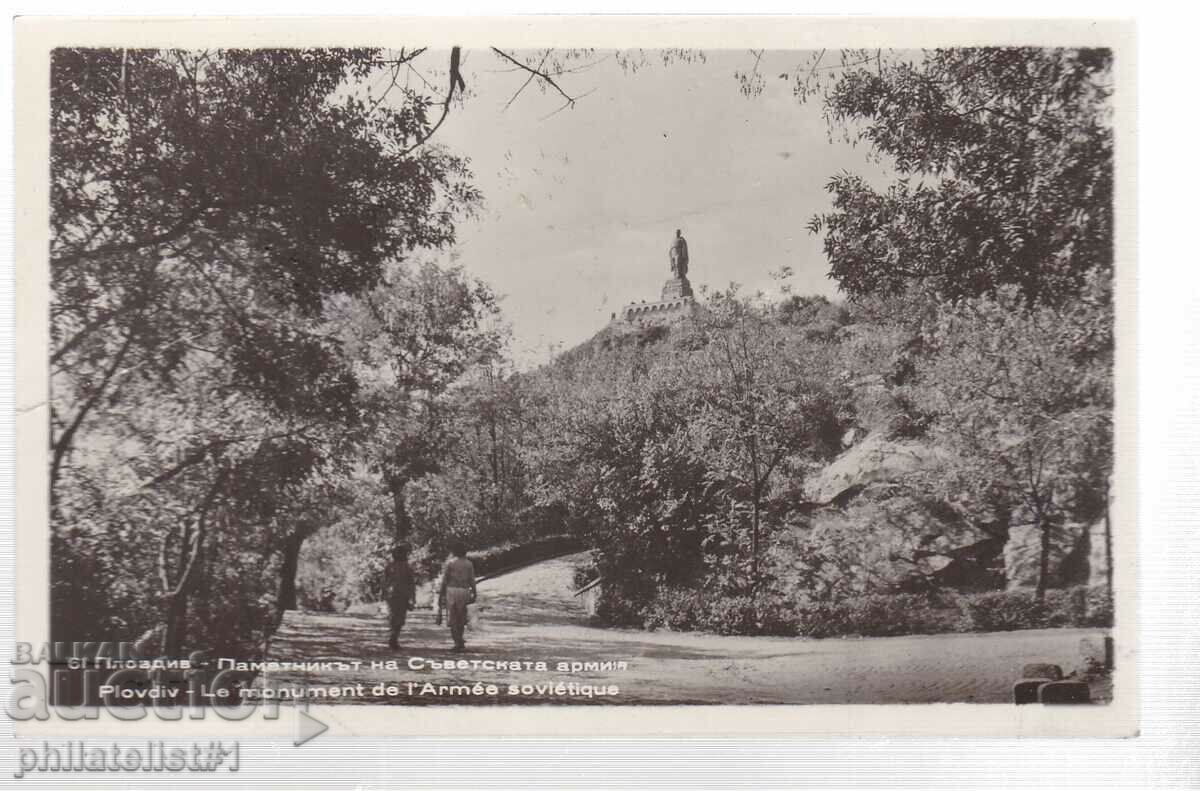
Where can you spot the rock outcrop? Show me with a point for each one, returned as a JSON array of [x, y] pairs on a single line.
[[1077, 555], [873, 489], [875, 459]]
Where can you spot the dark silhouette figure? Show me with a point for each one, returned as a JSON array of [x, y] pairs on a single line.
[[457, 591]]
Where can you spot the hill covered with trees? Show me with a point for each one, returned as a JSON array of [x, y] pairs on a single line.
[[947, 431], [757, 467]]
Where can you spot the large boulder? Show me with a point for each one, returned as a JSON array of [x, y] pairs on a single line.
[[870, 510], [874, 459], [1098, 561], [1023, 553], [1077, 554]]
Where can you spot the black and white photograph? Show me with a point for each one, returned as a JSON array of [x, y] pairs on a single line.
[[488, 376]]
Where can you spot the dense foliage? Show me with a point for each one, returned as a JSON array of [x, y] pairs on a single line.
[[701, 462], [260, 382], [233, 319], [1004, 172], [880, 615], [964, 393]]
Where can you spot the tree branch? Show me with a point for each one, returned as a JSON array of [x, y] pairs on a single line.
[[197, 537], [532, 76], [536, 73], [198, 455], [456, 82], [174, 232], [63, 444]]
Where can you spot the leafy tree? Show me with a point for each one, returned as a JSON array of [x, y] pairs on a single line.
[[479, 492], [411, 337], [1025, 399], [1003, 161], [617, 464], [154, 242], [206, 209], [762, 402]]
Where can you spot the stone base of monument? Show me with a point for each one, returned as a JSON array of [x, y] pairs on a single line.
[[658, 313], [676, 288]]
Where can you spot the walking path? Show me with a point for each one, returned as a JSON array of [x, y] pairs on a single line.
[[530, 616]]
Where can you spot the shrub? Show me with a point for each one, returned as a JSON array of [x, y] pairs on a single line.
[[613, 608], [880, 615], [1065, 607], [1002, 611], [772, 614], [1019, 609], [874, 615], [1079, 606], [1099, 609], [687, 609], [732, 615], [674, 608]]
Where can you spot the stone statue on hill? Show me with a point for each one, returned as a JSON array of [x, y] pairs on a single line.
[[679, 256]]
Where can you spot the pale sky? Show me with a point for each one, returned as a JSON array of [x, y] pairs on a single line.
[[581, 205]]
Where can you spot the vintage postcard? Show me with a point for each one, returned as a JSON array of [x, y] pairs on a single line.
[[576, 375]]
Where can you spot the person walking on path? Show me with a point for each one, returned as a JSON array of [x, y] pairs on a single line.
[[402, 593], [457, 591]]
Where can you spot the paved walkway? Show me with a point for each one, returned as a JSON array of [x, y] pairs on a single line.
[[530, 616]]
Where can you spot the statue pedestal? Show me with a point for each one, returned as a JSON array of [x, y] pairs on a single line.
[[676, 288], [677, 303]]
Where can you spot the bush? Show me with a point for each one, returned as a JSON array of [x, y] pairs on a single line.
[[767, 614], [879, 615], [1099, 609], [1003, 611], [998, 611], [697, 610], [1065, 607], [875, 615], [614, 608]]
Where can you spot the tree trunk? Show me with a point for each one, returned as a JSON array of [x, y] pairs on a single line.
[[495, 461], [1108, 547], [175, 632], [754, 542], [66, 439], [191, 547], [399, 512], [287, 581], [1043, 526], [756, 494]]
